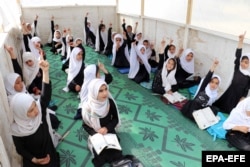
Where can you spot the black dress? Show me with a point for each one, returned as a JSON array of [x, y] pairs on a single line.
[[78, 80], [238, 88], [90, 36], [181, 77], [157, 84], [200, 100], [120, 60], [130, 38], [40, 143], [109, 46], [142, 75], [110, 122]]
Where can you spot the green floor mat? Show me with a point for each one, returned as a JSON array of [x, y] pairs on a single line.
[[154, 132]]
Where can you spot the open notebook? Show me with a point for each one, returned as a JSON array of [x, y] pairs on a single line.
[[101, 142], [205, 118], [174, 97]]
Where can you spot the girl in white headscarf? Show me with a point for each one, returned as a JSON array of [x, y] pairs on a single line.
[[206, 94], [138, 39], [89, 32], [120, 52], [238, 126], [14, 84], [240, 85], [35, 47], [139, 67], [32, 74], [29, 31], [164, 81], [111, 35], [100, 115], [91, 72], [75, 72], [185, 68], [57, 43], [101, 39], [30, 129]]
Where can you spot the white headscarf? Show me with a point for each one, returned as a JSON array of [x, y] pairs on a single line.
[[171, 55], [57, 39], [9, 83], [89, 75], [91, 28], [245, 71], [187, 66], [238, 116], [114, 48], [74, 65], [104, 37], [212, 94], [29, 73], [92, 109], [33, 49], [134, 63], [24, 125], [168, 79], [140, 41], [148, 51]]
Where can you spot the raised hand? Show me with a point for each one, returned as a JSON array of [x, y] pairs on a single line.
[[242, 36]]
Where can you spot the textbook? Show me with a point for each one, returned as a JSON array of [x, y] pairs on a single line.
[[205, 118], [101, 142], [174, 97]]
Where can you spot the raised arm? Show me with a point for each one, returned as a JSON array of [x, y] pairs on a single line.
[[209, 75], [136, 25], [16, 66], [241, 40], [46, 87]]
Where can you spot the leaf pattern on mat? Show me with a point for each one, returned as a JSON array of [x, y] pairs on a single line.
[[124, 109], [148, 134], [130, 96], [69, 108], [178, 164], [67, 157], [183, 143], [152, 115], [80, 134]]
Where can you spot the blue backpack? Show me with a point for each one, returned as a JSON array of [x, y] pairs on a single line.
[[217, 130]]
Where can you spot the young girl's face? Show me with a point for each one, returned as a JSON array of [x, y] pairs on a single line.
[[33, 110], [18, 86], [118, 40], [129, 29], [29, 27], [79, 56], [172, 49], [88, 24], [170, 65], [139, 36], [103, 28], [56, 27], [142, 50], [189, 57], [30, 63], [103, 93], [214, 83], [58, 35], [78, 42], [244, 63], [37, 45], [146, 44]]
